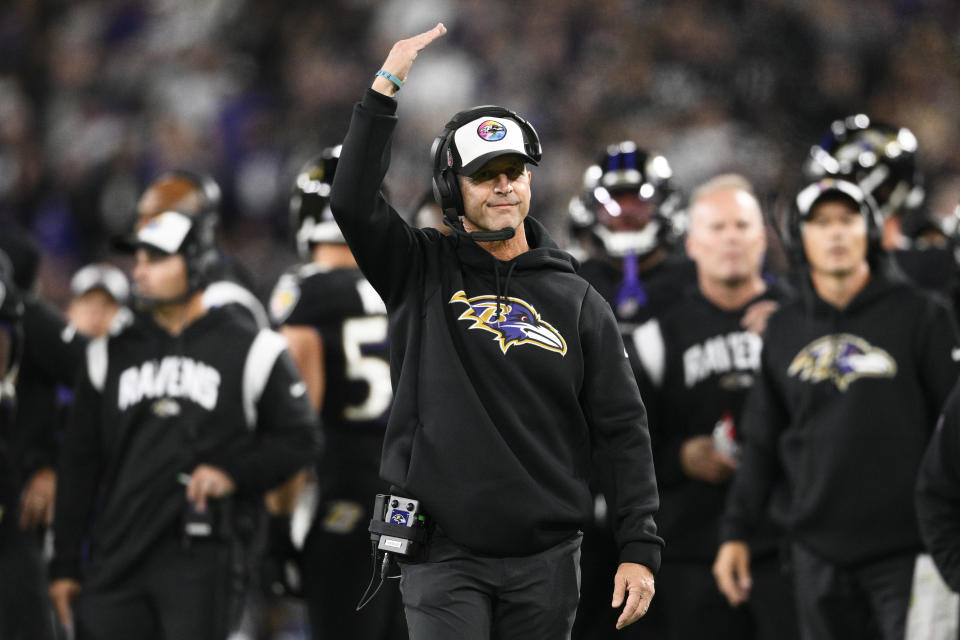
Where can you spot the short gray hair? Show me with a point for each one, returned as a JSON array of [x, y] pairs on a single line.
[[723, 182]]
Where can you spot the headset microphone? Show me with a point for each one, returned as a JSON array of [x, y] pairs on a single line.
[[479, 236], [492, 236]]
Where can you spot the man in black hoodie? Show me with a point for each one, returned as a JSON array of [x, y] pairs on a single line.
[[508, 371], [698, 362], [852, 378], [182, 418]]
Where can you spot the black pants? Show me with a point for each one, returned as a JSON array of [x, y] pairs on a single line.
[[25, 610], [691, 605], [455, 593], [176, 594], [863, 603]]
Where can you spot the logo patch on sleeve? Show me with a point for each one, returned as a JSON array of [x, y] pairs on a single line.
[[842, 358], [518, 322], [284, 297]]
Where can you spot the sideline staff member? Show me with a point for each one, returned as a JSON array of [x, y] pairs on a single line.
[[508, 370], [853, 375], [182, 395]]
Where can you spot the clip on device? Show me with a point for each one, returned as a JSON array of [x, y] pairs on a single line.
[[398, 527]]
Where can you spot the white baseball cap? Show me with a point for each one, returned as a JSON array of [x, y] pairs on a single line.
[[484, 138], [165, 233]]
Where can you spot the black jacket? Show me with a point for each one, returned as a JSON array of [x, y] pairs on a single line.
[[839, 418], [938, 493], [495, 417], [150, 407], [697, 366]]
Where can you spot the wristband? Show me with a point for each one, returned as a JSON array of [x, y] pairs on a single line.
[[383, 73]]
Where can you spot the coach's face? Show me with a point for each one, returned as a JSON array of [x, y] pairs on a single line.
[[496, 196], [158, 276]]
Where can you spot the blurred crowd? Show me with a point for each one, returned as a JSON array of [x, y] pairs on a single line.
[[99, 96]]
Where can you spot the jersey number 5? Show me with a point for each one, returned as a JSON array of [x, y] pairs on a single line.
[[371, 369]]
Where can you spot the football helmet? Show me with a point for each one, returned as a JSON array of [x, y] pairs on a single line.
[[311, 220], [628, 204], [879, 157]]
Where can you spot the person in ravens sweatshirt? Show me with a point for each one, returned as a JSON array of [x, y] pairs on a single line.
[[853, 375], [698, 362], [508, 371], [181, 420]]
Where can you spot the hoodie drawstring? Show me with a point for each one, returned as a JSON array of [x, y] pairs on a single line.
[[506, 287]]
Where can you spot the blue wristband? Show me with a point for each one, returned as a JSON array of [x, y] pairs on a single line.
[[392, 78]]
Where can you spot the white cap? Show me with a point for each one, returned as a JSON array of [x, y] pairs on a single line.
[[815, 192], [165, 232], [101, 276], [483, 139]]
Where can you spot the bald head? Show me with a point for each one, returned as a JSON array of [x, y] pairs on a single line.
[[731, 190], [726, 237]]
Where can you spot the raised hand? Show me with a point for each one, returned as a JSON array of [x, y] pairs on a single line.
[[401, 58]]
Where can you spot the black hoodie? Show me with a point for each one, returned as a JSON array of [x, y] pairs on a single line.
[[495, 417], [698, 365], [149, 408], [839, 417]]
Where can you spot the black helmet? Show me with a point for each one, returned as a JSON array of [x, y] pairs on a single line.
[[311, 220], [626, 168], [880, 158]]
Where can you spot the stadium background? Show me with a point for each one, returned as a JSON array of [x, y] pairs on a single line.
[[99, 96]]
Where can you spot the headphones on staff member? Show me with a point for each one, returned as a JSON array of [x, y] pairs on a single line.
[[833, 189], [447, 160]]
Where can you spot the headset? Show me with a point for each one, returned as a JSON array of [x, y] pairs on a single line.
[[447, 160], [199, 248], [828, 189]]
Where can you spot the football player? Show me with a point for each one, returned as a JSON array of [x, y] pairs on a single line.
[[628, 222], [336, 326]]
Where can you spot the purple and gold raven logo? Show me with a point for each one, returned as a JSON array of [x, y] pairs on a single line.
[[518, 322], [841, 358]]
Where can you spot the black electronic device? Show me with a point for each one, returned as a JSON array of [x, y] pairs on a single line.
[[398, 528]]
